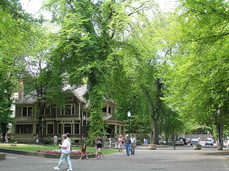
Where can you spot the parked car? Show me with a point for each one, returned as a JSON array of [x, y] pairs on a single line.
[[188, 140], [194, 141], [209, 141], [179, 141]]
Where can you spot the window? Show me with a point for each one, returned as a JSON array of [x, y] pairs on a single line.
[[77, 129], [69, 98], [30, 111], [60, 129], [53, 109], [69, 109], [50, 110], [47, 111], [27, 111], [50, 128], [24, 129], [24, 111], [105, 109], [68, 128]]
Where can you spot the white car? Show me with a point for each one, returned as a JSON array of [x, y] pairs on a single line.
[[209, 141], [194, 141]]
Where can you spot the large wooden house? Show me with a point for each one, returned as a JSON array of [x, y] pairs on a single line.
[[71, 118]]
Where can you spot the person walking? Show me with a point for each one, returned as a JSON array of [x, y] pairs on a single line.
[[36, 138], [55, 140], [6, 138], [120, 144], [99, 146], [127, 142], [65, 153], [83, 147], [132, 145]]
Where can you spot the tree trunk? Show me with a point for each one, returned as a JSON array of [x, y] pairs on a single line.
[[155, 131], [39, 130], [220, 136], [3, 136]]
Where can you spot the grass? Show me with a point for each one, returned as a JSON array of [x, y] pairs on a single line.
[[34, 148]]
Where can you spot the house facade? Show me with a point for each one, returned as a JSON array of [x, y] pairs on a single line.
[[71, 118]]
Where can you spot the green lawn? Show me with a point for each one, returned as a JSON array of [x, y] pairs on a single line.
[[34, 148]]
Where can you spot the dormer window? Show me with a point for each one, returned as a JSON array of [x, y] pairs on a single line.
[[69, 109], [27, 111], [105, 109]]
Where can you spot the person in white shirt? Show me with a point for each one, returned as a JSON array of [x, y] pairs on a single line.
[[132, 145], [55, 140], [65, 153]]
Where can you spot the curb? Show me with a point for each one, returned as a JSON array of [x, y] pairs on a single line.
[[40, 154]]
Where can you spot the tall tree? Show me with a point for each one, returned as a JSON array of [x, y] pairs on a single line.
[[90, 31], [140, 63], [198, 81], [14, 26]]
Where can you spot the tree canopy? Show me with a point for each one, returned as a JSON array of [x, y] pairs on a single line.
[[169, 69]]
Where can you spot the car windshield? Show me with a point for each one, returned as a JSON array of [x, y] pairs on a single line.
[[209, 139], [194, 140]]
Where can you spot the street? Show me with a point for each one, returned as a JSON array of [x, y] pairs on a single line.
[[183, 158]]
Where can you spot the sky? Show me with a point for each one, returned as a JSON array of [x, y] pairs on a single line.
[[33, 6]]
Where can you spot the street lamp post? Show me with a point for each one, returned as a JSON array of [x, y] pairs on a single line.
[[129, 115]]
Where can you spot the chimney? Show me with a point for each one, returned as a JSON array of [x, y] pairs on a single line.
[[21, 90]]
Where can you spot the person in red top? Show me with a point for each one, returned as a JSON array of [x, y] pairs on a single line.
[[83, 147]]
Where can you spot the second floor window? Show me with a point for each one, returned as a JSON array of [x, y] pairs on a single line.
[[27, 111], [50, 110], [69, 109]]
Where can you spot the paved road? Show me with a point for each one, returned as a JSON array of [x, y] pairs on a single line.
[[166, 159]]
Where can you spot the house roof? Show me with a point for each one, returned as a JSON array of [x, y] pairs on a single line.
[[78, 92], [28, 99]]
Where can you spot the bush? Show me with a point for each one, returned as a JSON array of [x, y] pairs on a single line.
[[47, 140]]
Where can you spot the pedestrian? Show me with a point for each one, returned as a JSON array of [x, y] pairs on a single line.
[[127, 142], [65, 153], [55, 140], [120, 144], [109, 141], [132, 145], [145, 141], [83, 147], [6, 138], [68, 138], [36, 138], [99, 145]]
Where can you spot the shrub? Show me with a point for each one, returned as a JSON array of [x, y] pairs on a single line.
[[47, 140]]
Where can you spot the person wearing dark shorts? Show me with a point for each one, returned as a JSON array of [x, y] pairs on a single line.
[[99, 145], [83, 147]]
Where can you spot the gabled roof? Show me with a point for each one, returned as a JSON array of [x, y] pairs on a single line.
[[28, 99], [79, 92]]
